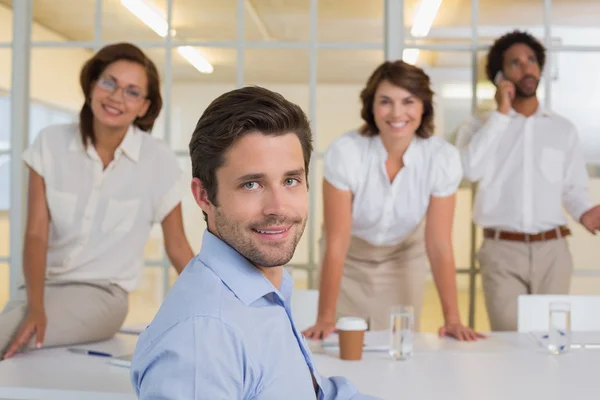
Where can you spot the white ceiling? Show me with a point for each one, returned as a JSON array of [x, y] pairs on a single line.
[[288, 20]]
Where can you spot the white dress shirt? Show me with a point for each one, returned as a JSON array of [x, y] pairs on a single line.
[[100, 218], [385, 213], [527, 168]]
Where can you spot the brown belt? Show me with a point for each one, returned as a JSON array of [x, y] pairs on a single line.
[[559, 232]]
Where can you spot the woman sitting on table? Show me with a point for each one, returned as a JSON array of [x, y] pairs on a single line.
[[380, 183], [95, 190]]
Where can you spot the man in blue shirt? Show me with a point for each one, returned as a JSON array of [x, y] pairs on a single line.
[[225, 330]]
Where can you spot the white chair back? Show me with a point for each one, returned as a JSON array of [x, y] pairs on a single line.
[[305, 305], [534, 312]]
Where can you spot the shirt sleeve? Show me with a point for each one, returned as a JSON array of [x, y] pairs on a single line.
[[175, 366], [341, 162], [338, 388], [477, 140], [447, 171], [576, 196], [171, 183], [33, 156]]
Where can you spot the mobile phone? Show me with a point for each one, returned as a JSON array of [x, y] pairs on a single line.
[[499, 75]]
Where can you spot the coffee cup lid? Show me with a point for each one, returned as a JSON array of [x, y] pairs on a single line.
[[351, 324]]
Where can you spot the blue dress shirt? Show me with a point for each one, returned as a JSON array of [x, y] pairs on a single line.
[[225, 332]]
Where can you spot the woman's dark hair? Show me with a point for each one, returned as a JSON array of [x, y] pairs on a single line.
[[97, 64]]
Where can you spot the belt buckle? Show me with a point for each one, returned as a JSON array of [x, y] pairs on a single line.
[[527, 238], [543, 236]]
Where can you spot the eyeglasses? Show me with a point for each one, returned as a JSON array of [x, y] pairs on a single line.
[[129, 93]]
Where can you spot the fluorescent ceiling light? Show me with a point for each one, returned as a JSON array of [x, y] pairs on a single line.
[[154, 19], [410, 56], [424, 17], [148, 15], [195, 58]]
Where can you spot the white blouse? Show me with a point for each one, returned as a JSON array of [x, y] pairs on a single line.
[[385, 213], [100, 219]]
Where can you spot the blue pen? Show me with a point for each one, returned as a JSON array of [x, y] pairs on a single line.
[[89, 352]]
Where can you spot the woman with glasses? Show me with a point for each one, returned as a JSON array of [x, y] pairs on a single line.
[[95, 190], [388, 194]]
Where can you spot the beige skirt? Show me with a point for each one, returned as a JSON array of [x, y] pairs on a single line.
[[375, 278]]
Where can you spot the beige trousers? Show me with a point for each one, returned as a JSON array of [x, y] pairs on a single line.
[[76, 312], [509, 269], [375, 278]]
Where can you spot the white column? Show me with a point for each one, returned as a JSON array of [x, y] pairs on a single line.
[[393, 29], [19, 126]]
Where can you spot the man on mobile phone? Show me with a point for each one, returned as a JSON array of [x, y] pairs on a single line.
[[528, 163]]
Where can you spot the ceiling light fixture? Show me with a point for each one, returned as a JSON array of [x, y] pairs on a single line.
[[410, 56], [154, 19], [426, 13]]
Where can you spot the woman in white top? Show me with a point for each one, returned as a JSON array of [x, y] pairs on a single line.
[[380, 183], [95, 190]]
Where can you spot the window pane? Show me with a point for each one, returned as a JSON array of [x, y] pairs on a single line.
[[6, 19], [350, 21], [583, 245], [497, 18], [576, 95], [59, 20], [4, 204], [54, 79], [575, 22], [193, 90], [341, 75], [585, 285], [4, 282], [432, 317], [145, 301]]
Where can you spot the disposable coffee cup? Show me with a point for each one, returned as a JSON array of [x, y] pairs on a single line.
[[351, 333]]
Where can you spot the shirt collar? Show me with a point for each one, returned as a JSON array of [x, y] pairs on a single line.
[[540, 112], [410, 155], [239, 274], [131, 144]]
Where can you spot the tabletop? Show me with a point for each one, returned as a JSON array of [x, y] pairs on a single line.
[[504, 366]]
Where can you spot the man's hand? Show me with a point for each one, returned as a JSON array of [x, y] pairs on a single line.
[[591, 219], [505, 94], [34, 324]]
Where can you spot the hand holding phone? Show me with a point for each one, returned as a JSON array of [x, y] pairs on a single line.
[[505, 93]]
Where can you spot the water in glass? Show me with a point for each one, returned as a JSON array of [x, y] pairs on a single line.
[[559, 332], [401, 341]]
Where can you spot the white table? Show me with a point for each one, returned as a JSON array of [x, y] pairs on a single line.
[[505, 366], [57, 374]]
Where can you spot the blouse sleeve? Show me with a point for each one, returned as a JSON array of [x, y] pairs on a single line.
[[33, 156], [342, 161], [171, 183], [447, 171]]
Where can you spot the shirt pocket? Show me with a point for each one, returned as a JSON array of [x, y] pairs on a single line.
[[120, 215], [552, 165], [62, 209]]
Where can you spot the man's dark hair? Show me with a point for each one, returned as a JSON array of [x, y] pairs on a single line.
[[495, 57], [237, 113]]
